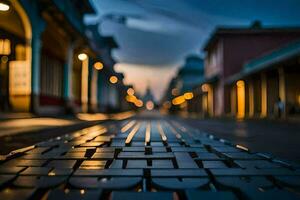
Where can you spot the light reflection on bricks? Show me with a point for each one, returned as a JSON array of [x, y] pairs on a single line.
[[144, 159]]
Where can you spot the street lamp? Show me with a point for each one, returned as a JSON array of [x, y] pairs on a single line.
[[4, 6], [139, 103], [98, 66], [82, 56], [113, 79], [188, 95], [149, 105], [130, 91]]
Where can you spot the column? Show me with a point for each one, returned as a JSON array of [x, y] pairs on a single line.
[[68, 71], [282, 88], [251, 98], [84, 85], [35, 71], [240, 99], [233, 100], [210, 100], [264, 94], [94, 90]]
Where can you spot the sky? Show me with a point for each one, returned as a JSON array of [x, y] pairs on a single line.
[[155, 36]]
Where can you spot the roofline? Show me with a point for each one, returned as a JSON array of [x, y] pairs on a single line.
[[233, 30]]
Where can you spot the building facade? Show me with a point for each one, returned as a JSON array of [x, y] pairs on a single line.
[[268, 86], [48, 64], [226, 53]]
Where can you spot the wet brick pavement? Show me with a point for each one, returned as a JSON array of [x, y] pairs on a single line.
[[144, 159]]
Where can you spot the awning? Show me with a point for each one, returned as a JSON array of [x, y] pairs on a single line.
[[267, 61]]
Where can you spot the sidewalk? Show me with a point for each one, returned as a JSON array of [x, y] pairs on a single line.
[[9, 116], [281, 138], [146, 157], [20, 130]]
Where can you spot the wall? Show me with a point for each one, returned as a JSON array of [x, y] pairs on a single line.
[[241, 48]]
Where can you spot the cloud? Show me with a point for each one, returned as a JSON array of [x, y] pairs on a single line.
[[161, 33]]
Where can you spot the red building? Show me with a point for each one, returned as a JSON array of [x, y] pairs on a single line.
[[227, 51]]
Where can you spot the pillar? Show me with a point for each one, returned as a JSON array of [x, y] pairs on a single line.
[[282, 88], [210, 99], [233, 99], [94, 90], [264, 95], [240, 99], [251, 98], [68, 71], [35, 71], [84, 85]]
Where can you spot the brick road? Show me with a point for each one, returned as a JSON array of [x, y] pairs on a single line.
[[144, 159]]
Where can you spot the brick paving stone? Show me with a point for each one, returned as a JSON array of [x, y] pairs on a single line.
[[176, 184], [161, 159], [74, 194], [142, 195], [18, 193], [195, 195]]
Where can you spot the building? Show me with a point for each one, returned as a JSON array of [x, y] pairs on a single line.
[[267, 81], [227, 50], [110, 94], [180, 90], [48, 63]]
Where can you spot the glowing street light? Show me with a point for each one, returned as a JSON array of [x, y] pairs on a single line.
[[188, 95], [113, 79], [139, 103], [131, 98], [98, 66], [205, 87], [149, 105], [178, 100], [4, 6], [130, 91], [82, 56]]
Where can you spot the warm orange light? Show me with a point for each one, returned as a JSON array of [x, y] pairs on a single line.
[[240, 99], [149, 105], [82, 56], [98, 66], [188, 95], [131, 98], [240, 83], [139, 103], [51, 174], [113, 79], [175, 92], [130, 91], [5, 47], [204, 88], [84, 81], [178, 100], [4, 7]]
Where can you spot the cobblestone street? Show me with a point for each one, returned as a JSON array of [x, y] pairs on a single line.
[[161, 99], [279, 138], [144, 157]]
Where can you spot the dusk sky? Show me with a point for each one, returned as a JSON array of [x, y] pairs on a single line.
[[158, 34]]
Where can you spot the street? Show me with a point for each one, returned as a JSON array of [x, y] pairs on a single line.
[[279, 138], [162, 99], [132, 158]]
